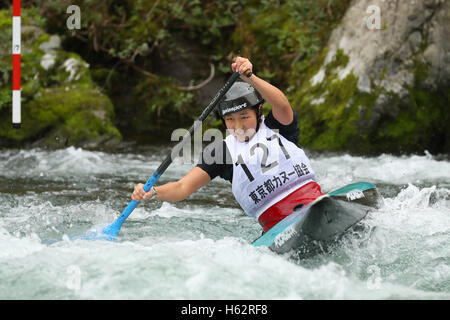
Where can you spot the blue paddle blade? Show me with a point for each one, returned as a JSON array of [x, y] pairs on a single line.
[[108, 233], [96, 233], [111, 231]]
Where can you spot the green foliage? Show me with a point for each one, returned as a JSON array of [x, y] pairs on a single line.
[[126, 36], [60, 103], [126, 29], [160, 106], [140, 52], [283, 38], [5, 98], [5, 59]]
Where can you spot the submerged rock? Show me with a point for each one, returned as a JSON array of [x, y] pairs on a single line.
[[381, 88]]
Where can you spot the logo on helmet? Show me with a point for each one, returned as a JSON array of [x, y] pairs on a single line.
[[235, 108]]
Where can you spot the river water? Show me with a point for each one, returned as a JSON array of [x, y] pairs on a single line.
[[201, 248]]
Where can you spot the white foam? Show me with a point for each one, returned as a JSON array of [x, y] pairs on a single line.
[[12, 247], [408, 241], [335, 171]]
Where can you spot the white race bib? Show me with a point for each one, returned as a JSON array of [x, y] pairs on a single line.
[[266, 169]]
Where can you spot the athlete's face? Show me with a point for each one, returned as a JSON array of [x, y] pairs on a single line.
[[242, 124]]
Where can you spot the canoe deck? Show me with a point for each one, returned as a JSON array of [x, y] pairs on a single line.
[[323, 220]]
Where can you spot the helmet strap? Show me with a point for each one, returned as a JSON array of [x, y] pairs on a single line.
[[258, 116]]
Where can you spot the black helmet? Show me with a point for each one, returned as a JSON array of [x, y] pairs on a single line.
[[240, 96]]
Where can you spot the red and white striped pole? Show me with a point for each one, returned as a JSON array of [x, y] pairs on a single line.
[[16, 45]]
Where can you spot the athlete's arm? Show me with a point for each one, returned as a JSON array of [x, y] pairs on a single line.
[[281, 108], [175, 191]]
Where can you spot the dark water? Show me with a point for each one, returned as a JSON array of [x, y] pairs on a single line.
[[201, 248]]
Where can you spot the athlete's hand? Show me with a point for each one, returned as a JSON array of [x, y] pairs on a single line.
[[243, 66], [139, 194]]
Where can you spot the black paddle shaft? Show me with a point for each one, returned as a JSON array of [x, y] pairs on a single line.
[[212, 105]]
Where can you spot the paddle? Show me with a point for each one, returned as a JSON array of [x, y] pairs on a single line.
[[111, 231]]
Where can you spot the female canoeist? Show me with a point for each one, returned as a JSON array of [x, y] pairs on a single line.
[[269, 173]]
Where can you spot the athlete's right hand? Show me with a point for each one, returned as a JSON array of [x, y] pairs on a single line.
[[139, 194], [243, 66]]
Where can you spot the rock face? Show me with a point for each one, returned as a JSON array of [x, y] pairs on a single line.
[[408, 29], [61, 105], [383, 82]]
